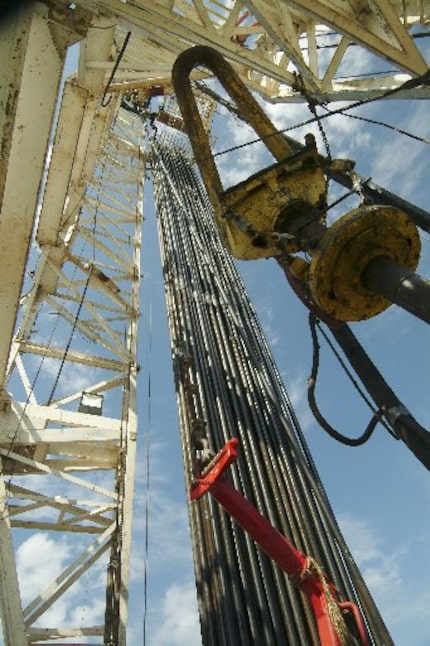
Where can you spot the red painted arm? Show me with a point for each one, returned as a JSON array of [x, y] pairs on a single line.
[[315, 586]]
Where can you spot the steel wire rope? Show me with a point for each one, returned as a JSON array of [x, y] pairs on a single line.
[[85, 598], [384, 124], [31, 390], [69, 342], [114, 69], [147, 481], [411, 83], [314, 323], [352, 379]]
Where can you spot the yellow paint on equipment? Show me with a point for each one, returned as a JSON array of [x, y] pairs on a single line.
[[346, 249], [269, 203]]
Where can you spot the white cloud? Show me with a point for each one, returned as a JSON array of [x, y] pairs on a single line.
[[178, 621], [71, 377], [405, 177], [383, 570], [40, 560], [362, 539], [269, 324], [40, 553]]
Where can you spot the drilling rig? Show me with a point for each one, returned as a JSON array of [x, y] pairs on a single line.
[[79, 142]]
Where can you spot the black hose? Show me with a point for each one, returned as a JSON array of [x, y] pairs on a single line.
[[325, 425]]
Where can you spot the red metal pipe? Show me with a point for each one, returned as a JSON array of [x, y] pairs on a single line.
[[315, 586]]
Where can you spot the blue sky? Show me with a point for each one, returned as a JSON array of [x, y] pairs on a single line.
[[379, 492]]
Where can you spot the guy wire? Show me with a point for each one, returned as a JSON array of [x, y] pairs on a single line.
[[147, 462]]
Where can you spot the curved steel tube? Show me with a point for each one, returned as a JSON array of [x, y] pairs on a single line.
[[245, 102]]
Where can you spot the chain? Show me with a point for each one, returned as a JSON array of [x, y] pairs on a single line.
[[312, 105]]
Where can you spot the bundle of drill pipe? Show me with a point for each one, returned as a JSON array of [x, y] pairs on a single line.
[[228, 385]]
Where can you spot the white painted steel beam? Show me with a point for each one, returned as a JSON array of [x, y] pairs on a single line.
[[35, 89], [98, 46], [279, 38], [80, 437], [10, 599], [35, 635], [37, 416], [379, 31], [34, 466], [64, 580], [62, 160], [76, 357]]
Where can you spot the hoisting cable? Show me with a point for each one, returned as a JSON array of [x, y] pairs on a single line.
[[312, 399], [114, 69], [147, 484], [424, 79], [28, 398], [69, 342], [376, 122], [312, 106], [26, 404], [407, 85], [147, 464]]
